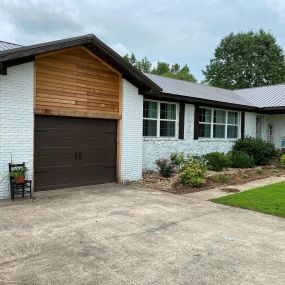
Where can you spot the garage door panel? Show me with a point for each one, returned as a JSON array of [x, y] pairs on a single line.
[[52, 180], [49, 161], [74, 151], [94, 174]]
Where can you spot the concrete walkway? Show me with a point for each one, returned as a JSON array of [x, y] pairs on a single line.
[[217, 192]]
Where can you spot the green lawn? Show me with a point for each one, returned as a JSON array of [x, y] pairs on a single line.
[[268, 199]]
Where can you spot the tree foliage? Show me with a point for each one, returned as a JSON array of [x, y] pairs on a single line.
[[161, 68], [246, 60]]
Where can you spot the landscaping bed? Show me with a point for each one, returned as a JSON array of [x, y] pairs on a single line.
[[229, 176], [250, 159]]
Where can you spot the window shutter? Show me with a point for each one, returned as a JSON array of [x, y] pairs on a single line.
[[181, 121], [242, 125], [196, 122]]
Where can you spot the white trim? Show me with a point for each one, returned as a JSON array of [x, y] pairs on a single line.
[[158, 120], [226, 124]]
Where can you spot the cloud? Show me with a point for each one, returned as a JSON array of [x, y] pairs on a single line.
[[181, 31], [120, 48]]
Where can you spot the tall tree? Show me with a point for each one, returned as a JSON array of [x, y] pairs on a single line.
[[246, 60], [143, 65], [161, 68]]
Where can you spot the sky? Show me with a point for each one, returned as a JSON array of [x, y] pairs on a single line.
[[182, 31]]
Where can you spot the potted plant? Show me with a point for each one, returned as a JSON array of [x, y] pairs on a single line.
[[19, 174]]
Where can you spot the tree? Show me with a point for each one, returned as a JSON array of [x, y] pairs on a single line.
[[143, 65], [246, 60], [161, 68]]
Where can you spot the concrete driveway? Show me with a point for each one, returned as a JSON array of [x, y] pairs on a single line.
[[116, 234]]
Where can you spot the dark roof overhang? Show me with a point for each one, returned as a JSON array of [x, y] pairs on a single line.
[[272, 110], [201, 102], [24, 54]]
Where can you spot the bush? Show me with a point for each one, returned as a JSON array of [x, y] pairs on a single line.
[[165, 167], [196, 159], [193, 175], [240, 159], [282, 160], [178, 159], [221, 178], [216, 161], [259, 170], [260, 150]]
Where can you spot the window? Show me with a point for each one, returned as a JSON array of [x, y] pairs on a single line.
[[150, 118], [232, 127], [205, 118], [218, 123], [159, 119]]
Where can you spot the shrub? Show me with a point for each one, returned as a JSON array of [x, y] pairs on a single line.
[[178, 159], [216, 161], [282, 160], [165, 167], [259, 170], [221, 178], [260, 150], [240, 159], [195, 159], [193, 175]]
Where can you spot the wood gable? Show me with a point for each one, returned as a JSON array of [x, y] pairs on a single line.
[[74, 82]]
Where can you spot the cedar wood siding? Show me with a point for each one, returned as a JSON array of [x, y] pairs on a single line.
[[74, 82]]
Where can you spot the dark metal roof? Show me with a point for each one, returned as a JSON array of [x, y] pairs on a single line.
[[7, 45], [20, 55], [271, 96]]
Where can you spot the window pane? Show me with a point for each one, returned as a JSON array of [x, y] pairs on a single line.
[[219, 116], [150, 109], [204, 130], [149, 128], [167, 111], [219, 131], [232, 132], [233, 118], [205, 115], [167, 129]]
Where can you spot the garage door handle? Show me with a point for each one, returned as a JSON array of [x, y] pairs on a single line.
[[75, 155], [79, 155]]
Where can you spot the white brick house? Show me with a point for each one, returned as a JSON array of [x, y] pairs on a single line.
[[77, 114]]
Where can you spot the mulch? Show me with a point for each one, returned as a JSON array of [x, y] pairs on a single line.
[[155, 181]]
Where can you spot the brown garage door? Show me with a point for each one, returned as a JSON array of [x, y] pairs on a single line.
[[72, 152]]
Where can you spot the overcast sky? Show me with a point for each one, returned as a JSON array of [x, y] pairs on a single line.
[[183, 31]]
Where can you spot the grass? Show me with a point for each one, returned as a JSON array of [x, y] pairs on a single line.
[[268, 199]]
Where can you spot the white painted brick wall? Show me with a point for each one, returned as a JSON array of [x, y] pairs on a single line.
[[132, 114], [156, 148], [16, 121]]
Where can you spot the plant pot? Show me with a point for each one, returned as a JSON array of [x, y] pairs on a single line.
[[20, 179]]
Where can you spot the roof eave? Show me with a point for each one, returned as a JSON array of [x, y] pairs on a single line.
[[273, 110], [201, 102], [28, 53]]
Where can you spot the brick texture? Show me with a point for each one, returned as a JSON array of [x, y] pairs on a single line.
[[16, 121], [132, 114]]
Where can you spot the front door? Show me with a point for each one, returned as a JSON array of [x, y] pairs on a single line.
[[259, 126]]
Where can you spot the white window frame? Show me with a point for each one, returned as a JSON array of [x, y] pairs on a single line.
[[157, 119], [226, 124]]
